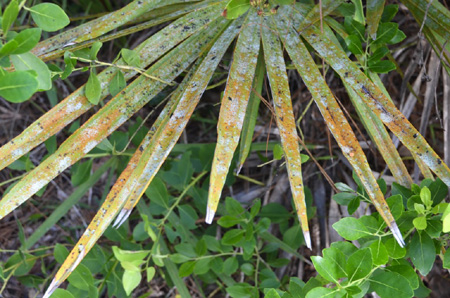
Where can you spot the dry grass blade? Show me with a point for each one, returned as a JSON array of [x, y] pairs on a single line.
[[276, 71], [232, 110]]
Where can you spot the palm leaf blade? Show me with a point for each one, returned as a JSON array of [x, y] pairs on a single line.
[[251, 114], [377, 102], [338, 125], [232, 111], [276, 71], [98, 26], [109, 118], [76, 104], [381, 138], [143, 160], [169, 129]]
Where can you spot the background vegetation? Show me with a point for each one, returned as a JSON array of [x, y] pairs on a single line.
[[255, 244]]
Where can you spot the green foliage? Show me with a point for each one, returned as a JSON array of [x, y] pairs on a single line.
[[370, 49], [30, 73], [379, 264], [166, 239], [48, 16]]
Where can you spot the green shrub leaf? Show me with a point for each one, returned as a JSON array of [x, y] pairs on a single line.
[[230, 265], [383, 66], [60, 253], [389, 12], [236, 8], [344, 198], [202, 266], [391, 284], [233, 207], [9, 15], [94, 50], [344, 187], [232, 237], [228, 221], [117, 84], [22, 42], [420, 223], [60, 293], [359, 264], [131, 57], [394, 250], [49, 17], [351, 229], [407, 272], [81, 277], [446, 263], [326, 268], [321, 292], [386, 31], [93, 89], [22, 263], [131, 280], [422, 252], [379, 252], [28, 61], [354, 44], [186, 269], [18, 86]]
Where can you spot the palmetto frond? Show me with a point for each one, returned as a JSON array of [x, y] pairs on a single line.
[[196, 41]]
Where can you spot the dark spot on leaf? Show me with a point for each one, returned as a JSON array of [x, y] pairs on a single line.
[[229, 98], [415, 136], [439, 161], [364, 89]]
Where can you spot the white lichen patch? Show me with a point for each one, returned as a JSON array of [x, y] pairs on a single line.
[[70, 108], [90, 133], [64, 163], [385, 117], [36, 186], [346, 149], [89, 146], [17, 153]]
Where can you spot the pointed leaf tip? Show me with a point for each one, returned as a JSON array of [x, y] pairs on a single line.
[[397, 234], [307, 237], [209, 215], [53, 286]]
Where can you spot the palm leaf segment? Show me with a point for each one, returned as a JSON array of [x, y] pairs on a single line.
[[202, 36]]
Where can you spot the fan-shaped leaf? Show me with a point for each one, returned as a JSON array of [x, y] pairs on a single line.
[[76, 104], [170, 129], [111, 116], [169, 67]]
